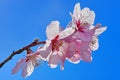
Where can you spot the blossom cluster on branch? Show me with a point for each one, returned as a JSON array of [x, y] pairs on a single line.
[[74, 43]]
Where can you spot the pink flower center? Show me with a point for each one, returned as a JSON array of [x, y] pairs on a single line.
[[78, 24], [32, 58], [56, 43]]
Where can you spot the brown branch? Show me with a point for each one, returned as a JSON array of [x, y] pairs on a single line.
[[34, 43]]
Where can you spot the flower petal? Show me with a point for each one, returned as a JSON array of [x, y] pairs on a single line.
[[75, 59], [54, 60], [45, 51], [86, 56], [24, 71], [84, 46], [18, 66], [94, 45], [100, 31], [52, 29], [71, 51], [30, 67], [87, 36], [87, 16], [63, 58], [66, 32], [76, 12]]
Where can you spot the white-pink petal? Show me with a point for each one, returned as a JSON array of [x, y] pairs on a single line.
[[73, 47], [75, 59], [24, 71], [30, 67], [66, 32], [87, 16], [54, 60], [94, 45], [18, 66], [45, 51], [76, 12], [86, 56], [100, 31], [82, 36], [52, 30]]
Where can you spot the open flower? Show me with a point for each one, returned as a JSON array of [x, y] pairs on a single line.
[[54, 51], [27, 64], [81, 22], [82, 18], [82, 35], [85, 35]]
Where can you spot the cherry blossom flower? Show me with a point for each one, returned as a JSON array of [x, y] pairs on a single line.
[[84, 43], [27, 64], [54, 51], [82, 35], [79, 35], [82, 18], [74, 43], [81, 22], [85, 35]]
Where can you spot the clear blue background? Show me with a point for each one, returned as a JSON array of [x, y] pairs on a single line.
[[21, 21]]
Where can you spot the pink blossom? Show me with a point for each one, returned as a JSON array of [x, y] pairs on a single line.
[[82, 18], [82, 35], [81, 22], [74, 43], [54, 51], [27, 64], [84, 38]]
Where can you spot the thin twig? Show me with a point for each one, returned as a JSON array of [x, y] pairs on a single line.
[[34, 43]]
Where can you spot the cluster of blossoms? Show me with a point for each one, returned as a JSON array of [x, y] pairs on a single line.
[[74, 43]]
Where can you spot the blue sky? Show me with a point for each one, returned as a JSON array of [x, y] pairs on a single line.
[[21, 21]]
